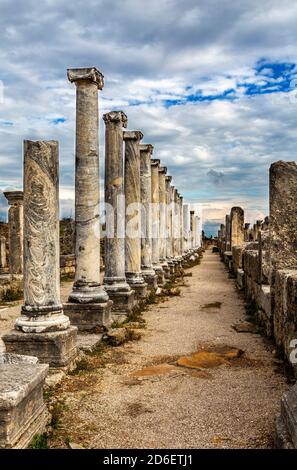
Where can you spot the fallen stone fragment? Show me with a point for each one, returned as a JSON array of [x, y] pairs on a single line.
[[245, 328], [116, 336]]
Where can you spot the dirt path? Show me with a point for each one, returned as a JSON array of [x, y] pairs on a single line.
[[120, 405]]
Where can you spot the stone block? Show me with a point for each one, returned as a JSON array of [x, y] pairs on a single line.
[[237, 257], [140, 291], [57, 348], [286, 422], [240, 278], [284, 309], [22, 410], [92, 317], [123, 301]]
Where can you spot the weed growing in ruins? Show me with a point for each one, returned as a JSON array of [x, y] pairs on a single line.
[[12, 295], [39, 441], [212, 305]]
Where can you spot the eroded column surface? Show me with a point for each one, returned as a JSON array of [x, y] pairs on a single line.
[[147, 270], [15, 231], [176, 225], [162, 215], [247, 232], [155, 164], [3, 262], [228, 233], [169, 254], [133, 213], [237, 226], [181, 218], [44, 330], [186, 226], [115, 282], [86, 287]]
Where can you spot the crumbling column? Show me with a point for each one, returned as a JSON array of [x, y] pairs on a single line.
[[163, 227], [42, 329], [3, 262], [237, 226], [89, 305], [181, 218], [115, 282], [147, 270], [156, 222], [192, 228], [133, 213], [228, 233], [186, 227], [169, 255], [15, 231]]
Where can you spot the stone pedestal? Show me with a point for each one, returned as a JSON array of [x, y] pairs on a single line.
[[92, 318], [133, 214], [42, 323], [86, 287], [22, 410], [115, 282], [15, 230]]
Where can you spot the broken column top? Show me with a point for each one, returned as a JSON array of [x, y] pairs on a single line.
[[163, 169], [155, 162], [116, 116], [90, 74], [146, 148], [168, 178], [133, 135], [14, 196]]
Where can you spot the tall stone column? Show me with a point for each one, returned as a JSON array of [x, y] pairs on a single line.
[[192, 228], [169, 255], [176, 226], [237, 226], [89, 305], [133, 213], [115, 282], [163, 225], [147, 270], [155, 164], [42, 329], [186, 226], [197, 232], [246, 232], [181, 218], [3, 262], [15, 231]]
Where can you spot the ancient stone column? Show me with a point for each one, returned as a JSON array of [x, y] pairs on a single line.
[[156, 222], [228, 233], [3, 262], [197, 232], [192, 228], [42, 329], [89, 305], [186, 226], [176, 226], [15, 231], [133, 213], [163, 225], [115, 282], [237, 226], [149, 274]]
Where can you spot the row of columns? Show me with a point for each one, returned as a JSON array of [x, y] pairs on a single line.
[[147, 237]]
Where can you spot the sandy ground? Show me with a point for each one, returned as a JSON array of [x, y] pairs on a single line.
[[230, 406]]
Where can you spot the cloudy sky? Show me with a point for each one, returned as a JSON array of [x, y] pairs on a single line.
[[212, 85]]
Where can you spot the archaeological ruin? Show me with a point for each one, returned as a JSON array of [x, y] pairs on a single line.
[[72, 295]]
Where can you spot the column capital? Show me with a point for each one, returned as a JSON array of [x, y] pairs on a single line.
[[163, 170], [116, 116], [146, 148], [155, 162], [90, 74], [168, 178], [133, 135], [14, 197]]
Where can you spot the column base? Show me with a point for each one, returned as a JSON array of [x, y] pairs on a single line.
[[23, 412], [123, 301], [160, 273], [151, 278], [140, 290], [57, 348], [86, 294], [93, 317]]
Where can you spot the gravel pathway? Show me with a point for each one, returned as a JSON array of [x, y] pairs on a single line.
[[229, 406]]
